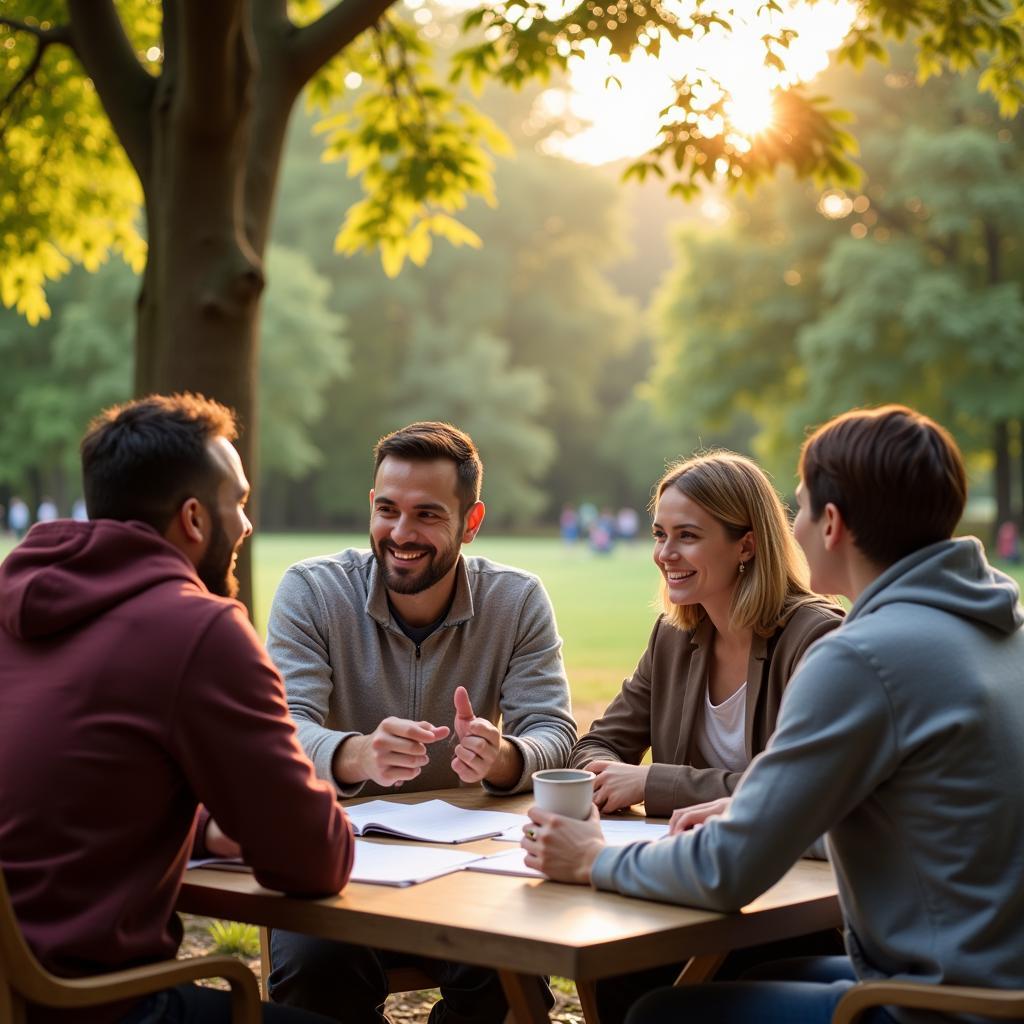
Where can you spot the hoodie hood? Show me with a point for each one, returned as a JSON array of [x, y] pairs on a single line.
[[952, 576], [64, 573]]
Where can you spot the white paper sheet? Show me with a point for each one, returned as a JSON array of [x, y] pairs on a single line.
[[508, 863], [404, 864], [433, 821]]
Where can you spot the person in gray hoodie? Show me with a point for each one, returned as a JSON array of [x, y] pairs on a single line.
[[398, 663], [901, 736]]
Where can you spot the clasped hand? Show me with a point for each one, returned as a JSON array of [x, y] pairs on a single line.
[[396, 751]]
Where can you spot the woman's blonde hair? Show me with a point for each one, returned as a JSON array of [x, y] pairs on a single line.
[[738, 494]]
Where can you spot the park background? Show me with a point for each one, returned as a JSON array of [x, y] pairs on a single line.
[[604, 328]]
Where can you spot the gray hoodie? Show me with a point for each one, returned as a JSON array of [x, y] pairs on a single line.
[[347, 665], [902, 736]]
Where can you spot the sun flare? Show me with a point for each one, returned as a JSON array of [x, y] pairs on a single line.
[[613, 105]]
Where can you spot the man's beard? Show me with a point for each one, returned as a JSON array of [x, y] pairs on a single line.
[[216, 569], [424, 575]]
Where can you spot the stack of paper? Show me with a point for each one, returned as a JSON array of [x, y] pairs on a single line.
[[433, 821]]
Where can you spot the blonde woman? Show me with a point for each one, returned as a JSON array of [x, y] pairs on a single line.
[[737, 617]]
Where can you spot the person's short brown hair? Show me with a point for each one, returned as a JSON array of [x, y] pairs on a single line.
[[142, 459], [896, 476], [430, 440]]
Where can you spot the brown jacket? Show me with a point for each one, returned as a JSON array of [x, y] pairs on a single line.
[[658, 705]]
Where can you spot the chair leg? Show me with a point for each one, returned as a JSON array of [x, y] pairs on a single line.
[[265, 964]]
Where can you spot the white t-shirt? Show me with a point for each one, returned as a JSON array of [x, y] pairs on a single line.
[[720, 732]]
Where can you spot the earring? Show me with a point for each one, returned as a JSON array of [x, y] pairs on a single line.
[[743, 568]]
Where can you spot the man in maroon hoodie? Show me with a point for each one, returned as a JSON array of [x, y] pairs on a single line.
[[132, 691]]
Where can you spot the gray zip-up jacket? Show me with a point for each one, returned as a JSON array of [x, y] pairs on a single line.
[[347, 665], [902, 736]]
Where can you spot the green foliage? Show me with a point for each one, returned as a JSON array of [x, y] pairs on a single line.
[[234, 938], [305, 355], [469, 382], [418, 149], [58, 376], [68, 195], [67, 192], [532, 317], [908, 291]]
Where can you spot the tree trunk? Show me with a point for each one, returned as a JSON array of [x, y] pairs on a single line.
[[198, 311], [206, 139], [1001, 480]]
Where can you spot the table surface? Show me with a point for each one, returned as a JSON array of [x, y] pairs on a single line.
[[524, 925]]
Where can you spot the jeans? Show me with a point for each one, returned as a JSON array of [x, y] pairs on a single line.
[[801, 991], [349, 982], [190, 1004], [615, 996]]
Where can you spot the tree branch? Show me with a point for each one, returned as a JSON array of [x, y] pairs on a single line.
[[44, 38], [314, 45], [125, 88]]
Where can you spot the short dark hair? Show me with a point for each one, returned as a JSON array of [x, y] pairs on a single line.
[[896, 476], [429, 440], [142, 459]]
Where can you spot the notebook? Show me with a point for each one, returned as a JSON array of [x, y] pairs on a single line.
[[433, 821]]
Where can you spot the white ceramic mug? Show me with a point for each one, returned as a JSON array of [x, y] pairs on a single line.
[[568, 791]]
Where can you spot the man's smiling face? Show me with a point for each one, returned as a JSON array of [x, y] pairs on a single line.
[[416, 522]]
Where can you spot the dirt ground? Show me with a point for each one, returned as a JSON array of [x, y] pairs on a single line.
[[402, 1008]]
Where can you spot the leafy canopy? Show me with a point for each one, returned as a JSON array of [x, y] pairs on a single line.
[[68, 195]]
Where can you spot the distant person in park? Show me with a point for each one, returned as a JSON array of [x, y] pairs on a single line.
[[398, 662], [737, 617], [47, 511], [18, 517], [132, 691], [569, 524], [627, 523], [1008, 542], [901, 736]]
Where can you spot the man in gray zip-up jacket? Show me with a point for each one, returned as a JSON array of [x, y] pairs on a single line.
[[399, 663], [901, 735]]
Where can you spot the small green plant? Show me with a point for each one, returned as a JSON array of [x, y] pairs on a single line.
[[235, 938]]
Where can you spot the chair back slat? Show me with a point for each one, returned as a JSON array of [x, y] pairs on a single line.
[[21, 974]]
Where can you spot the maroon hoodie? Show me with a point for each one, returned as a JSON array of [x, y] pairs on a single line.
[[128, 696]]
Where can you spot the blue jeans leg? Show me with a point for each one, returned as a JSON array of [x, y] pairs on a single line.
[[803, 991]]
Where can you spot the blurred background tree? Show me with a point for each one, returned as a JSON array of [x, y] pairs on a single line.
[[781, 307]]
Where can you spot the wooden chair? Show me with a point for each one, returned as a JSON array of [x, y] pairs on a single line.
[[987, 1002], [24, 980]]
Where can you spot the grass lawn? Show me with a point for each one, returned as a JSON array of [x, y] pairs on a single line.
[[604, 604]]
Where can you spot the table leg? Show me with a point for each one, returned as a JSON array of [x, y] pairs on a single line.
[[525, 1004], [587, 991], [699, 969]]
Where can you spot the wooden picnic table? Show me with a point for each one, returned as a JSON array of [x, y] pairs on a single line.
[[524, 927]]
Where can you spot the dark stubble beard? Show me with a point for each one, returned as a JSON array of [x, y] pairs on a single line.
[[439, 563], [215, 569]]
